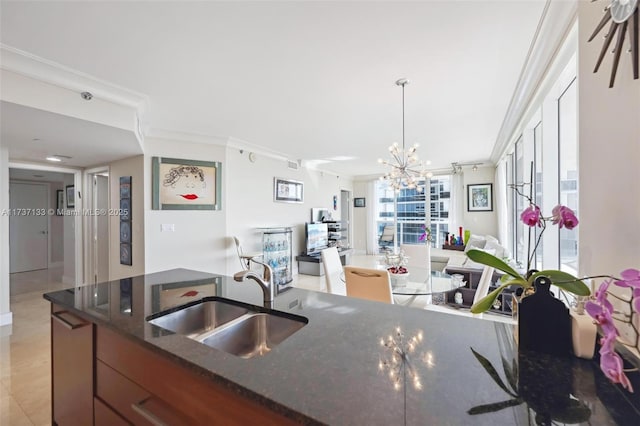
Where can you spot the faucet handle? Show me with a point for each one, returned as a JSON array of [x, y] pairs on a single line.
[[267, 272]]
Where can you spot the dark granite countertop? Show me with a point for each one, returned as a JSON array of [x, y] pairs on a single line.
[[331, 371]]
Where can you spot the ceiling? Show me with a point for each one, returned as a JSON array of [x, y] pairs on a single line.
[[308, 80], [32, 135]]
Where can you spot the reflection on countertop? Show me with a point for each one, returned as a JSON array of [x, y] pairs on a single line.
[[330, 370]]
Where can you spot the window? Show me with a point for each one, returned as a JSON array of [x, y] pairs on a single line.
[[568, 173], [537, 189], [412, 207]]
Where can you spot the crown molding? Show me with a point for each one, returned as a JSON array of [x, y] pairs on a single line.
[[242, 144], [176, 135], [554, 27], [32, 66]]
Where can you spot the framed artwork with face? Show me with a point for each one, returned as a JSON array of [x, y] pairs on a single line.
[[186, 184]]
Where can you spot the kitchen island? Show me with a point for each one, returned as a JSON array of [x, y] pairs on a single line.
[[337, 369]]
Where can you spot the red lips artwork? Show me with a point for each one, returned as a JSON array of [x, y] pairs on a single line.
[[189, 196]]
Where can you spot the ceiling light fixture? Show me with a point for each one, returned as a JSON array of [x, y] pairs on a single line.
[[406, 169], [57, 158], [87, 96]]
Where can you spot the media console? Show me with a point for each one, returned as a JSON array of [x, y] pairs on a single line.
[[312, 265]]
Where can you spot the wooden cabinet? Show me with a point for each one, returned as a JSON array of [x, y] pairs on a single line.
[[71, 368], [146, 388], [134, 384]]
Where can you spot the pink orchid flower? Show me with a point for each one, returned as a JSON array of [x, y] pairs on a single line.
[[563, 216], [631, 279], [611, 365], [602, 316], [531, 216]]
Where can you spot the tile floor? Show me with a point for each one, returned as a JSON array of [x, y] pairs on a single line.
[[25, 363]]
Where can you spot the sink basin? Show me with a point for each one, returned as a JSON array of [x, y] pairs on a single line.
[[195, 320], [236, 328], [253, 334]]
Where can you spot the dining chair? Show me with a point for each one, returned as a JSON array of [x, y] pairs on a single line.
[[332, 271], [245, 258], [370, 284], [418, 255]]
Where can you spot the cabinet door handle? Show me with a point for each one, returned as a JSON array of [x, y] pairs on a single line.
[[150, 409], [58, 316]]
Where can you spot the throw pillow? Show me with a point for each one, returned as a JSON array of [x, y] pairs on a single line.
[[497, 248], [475, 241]]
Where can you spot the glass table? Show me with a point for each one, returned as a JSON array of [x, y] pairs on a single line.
[[422, 282]]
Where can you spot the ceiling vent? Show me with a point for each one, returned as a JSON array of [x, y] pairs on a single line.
[[293, 165]]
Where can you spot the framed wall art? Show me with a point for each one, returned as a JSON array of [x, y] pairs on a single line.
[[288, 191], [359, 202], [186, 184], [71, 198], [480, 197], [125, 221]]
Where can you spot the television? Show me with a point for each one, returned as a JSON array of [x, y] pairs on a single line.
[[317, 238]]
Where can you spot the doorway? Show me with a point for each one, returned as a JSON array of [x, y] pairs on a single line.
[[345, 215], [98, 225]]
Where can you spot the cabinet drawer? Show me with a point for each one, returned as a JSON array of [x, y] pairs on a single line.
[[118, 391], [105, 416], [133, 402], [197, 397]]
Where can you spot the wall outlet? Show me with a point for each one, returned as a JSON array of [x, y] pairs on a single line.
[[167, 227]]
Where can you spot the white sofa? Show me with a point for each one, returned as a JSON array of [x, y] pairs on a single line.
[[453, 261]]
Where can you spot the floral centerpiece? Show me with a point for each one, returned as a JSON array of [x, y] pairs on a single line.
[[396, 263], [599, 307]]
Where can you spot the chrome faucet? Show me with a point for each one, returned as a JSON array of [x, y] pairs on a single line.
[[265, 282]]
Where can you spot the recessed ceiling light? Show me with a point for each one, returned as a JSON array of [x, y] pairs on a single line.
[[54, 159], [87, 96]]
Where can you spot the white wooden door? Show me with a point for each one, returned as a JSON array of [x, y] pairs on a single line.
[[28, 227]]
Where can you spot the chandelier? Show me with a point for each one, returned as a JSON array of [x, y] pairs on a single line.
[[406, 170]]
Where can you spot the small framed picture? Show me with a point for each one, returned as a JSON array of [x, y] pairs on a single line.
[[71, 198], [480, 197], [288, 191], [359, 202], [59, 202], [125, 254]]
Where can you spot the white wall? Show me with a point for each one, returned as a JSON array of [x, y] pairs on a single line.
[[199, 240], [359, 218], [609, 154], [5, 313], [609, 135], [479, 223], [134, 167], [249, 201]]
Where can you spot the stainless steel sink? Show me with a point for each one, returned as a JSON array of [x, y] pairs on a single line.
[[195, 320], [253, 334], [242, 330]]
